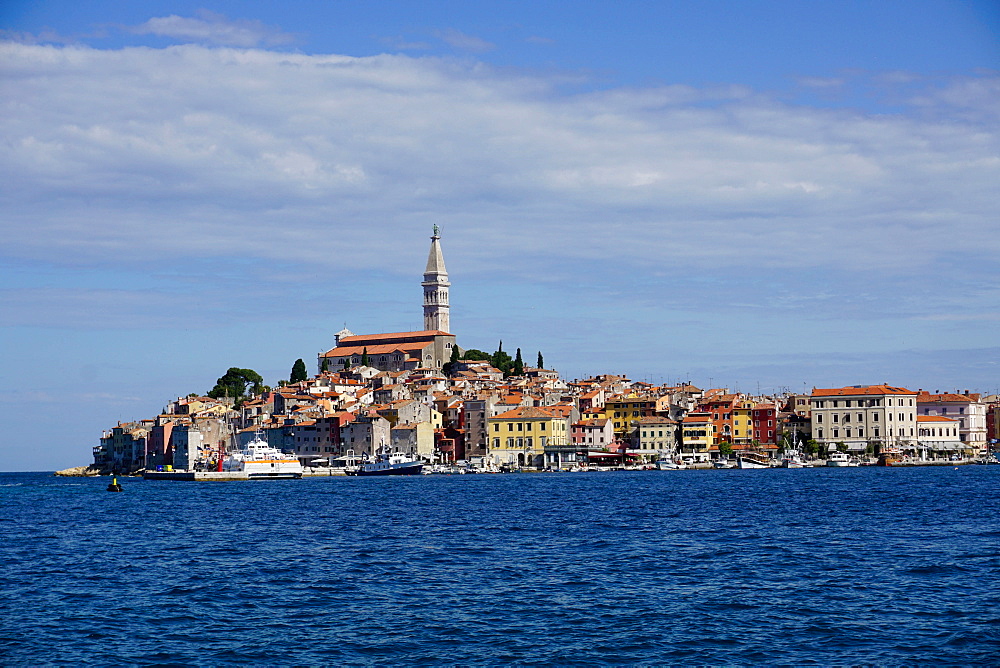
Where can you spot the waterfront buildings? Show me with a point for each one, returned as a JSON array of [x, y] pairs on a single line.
[[402, 390]]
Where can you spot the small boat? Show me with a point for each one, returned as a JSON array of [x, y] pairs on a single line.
[[388, 464], [752, 460], [840, 459], [723, 464], [261, 461], [669, 465], [794, 461], [889, 458]]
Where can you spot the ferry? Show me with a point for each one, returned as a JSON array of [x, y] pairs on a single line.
[[258, 460]]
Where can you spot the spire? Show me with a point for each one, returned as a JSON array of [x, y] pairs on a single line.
[[435, 260], [436, 308]]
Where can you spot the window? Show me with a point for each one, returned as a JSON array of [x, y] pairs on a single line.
[[510, 426], [819, 417], [496, 427], [496, 442], [836, 433], [510, 441], [861, 417], [836, 417]]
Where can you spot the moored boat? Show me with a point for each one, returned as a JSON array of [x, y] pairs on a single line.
[[840, 459], [388, 464], [752, 460], [258, 460]]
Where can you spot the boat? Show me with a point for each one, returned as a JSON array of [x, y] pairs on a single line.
[[258, 460], [840, 459], [889, 458], [794, 461], [669, 465], [723, 464], [752, 460], [386, 463]]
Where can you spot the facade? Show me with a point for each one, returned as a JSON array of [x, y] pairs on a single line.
[[965, 408], [865, 418], [520, 436], [939, 438], [697, 436], [655, 438]]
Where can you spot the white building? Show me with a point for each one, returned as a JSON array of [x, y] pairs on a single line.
[[967, 409], [882, 416]]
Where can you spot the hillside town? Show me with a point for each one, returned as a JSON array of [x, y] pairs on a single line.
[[420, 394]]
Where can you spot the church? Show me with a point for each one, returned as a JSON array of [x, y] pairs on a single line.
[[428, 348]]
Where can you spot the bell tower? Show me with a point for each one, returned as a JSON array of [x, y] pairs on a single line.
[[436, 308]]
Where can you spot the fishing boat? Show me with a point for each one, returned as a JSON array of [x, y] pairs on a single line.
[[670, 465], [258, 460], [386, 463], [752, 460]]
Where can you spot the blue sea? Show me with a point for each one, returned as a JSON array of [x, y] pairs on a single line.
[[813, 566]]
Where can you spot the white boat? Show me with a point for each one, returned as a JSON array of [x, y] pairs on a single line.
[[668, 465], [752, 460], [723, 464], [840, 459], [388, 464], [794, 461], [259, 460]]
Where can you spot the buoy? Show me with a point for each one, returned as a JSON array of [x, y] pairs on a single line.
[[114, 486]]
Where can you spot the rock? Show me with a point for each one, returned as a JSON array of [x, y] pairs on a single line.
[[79, 472]]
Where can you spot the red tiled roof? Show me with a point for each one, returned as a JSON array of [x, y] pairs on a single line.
[[864, 390]]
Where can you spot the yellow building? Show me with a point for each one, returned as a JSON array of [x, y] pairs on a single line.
[[518, 437], [697, 436], [625, 411], [742, 433]]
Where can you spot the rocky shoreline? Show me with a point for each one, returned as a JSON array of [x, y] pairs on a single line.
[[82, 472]]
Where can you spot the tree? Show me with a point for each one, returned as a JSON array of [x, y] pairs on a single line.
[[449, 367], [299, 372], [502, 360], [725, 449], [541, 363], [518, 367], [364, 357], [237, 384], [477, 355], [841, 446], [326, 365]]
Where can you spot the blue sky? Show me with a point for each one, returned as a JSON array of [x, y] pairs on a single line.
[[752, 195]]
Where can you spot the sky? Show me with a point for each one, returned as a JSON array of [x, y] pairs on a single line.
[[764, 196]]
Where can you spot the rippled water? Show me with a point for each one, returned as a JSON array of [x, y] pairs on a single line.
[[885, 566]]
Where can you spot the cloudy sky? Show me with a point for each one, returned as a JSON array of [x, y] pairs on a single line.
[[766, 196]]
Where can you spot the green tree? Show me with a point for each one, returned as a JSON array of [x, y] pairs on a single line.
[[299, 372], [237, 384], [326, 365], [364, 357], [347, 364], [541, 362], [811, 447], [517, 369], [474, 354], [449, 367], [725, 449], [502, 360], [841, 446]]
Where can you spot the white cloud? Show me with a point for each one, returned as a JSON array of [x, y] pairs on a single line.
[[465, 42], [118, 156], [215, 29]]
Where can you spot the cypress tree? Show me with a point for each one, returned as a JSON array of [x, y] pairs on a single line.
[[299, 372], [518, 367], [364, 357], [541, 362]]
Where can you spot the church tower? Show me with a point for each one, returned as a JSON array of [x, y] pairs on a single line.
[[436, 309]]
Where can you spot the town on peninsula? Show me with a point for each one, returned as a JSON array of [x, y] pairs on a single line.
[[457, 409]]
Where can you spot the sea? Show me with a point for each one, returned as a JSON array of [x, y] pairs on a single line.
[[824, 566]]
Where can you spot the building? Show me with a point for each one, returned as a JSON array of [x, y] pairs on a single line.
[[966, 408], [520, 436], [430, 347], [865, 418]]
